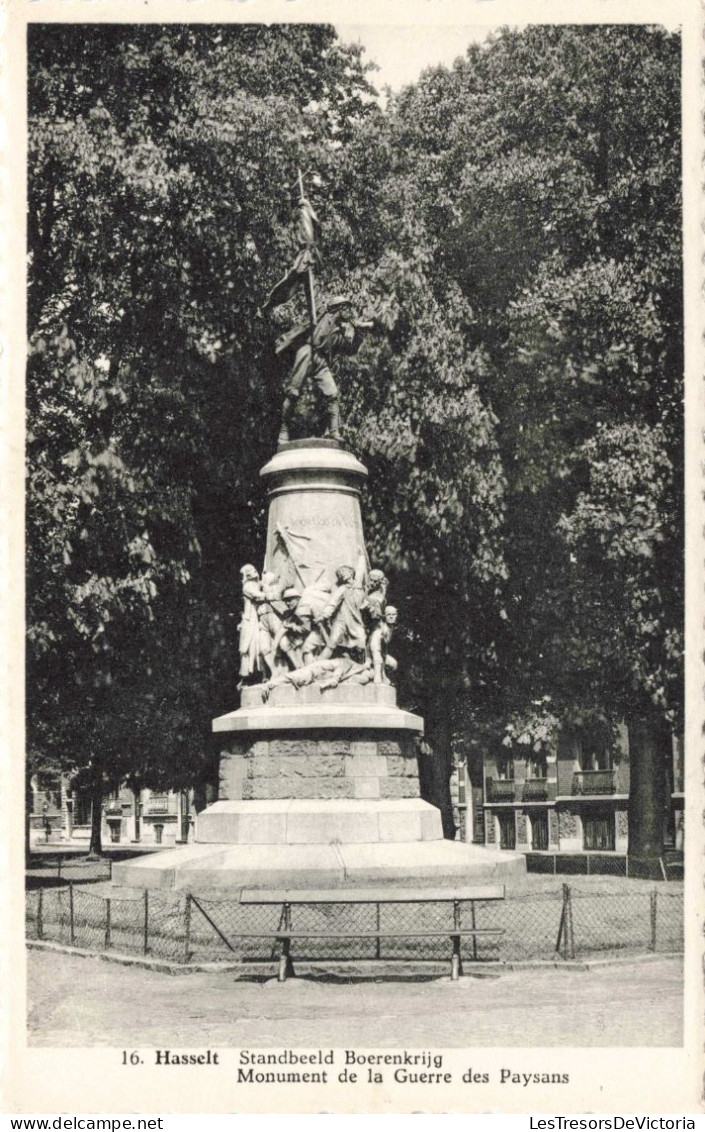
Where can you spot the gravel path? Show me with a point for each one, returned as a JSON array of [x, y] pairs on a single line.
[[84, 1001]]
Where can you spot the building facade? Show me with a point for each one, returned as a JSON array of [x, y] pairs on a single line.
[[58, 813], [570, 798]]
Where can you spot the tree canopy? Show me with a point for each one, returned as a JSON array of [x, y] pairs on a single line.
[[548, 165], [513, 222]]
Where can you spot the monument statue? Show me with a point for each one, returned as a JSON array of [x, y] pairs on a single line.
[[250, 644], [318, 614], [318, 783], [343, 613], [334, 333], [316, 632], [318, 340], [377, 643]]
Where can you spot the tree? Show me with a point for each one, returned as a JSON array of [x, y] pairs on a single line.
[[161, 166], [547, 164]]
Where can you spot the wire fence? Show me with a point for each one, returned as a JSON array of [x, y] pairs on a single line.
[[607, 864], [567, 922], [44, 870]]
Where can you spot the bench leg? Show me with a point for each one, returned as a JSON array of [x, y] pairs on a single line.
[[286, 966], [456, 966]]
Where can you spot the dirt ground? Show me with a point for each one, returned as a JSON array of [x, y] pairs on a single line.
[[84, 1001]]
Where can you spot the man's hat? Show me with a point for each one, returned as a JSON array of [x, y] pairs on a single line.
[[337, 302]]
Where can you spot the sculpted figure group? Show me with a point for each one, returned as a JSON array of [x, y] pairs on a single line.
[[324, 634]]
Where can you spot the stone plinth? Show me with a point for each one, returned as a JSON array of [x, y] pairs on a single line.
[[304, 822], [326, 765], [349, 707]]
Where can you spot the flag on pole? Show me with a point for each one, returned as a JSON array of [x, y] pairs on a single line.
[[284, 289], [308, 223], [304, 262]]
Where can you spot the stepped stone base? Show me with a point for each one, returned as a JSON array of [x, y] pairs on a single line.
[[199, 868], [318, 822], [318, 844]]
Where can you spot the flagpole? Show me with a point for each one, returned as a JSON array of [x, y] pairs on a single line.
[[310, 292]]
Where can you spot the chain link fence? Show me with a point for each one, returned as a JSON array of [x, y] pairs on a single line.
[[568, 922], [606, 864], [64, 868]]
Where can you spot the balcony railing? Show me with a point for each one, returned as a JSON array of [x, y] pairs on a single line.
[[593, 782], [158, 805], [500, 790], [535, 790]]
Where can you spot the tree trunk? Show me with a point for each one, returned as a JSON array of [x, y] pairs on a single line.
[[95, 848], [649, 750], [438, 734], [200, 800]]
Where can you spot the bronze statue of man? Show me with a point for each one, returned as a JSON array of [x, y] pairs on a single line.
[[319, 338], [335, 333]]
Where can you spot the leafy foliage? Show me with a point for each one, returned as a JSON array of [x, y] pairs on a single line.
[[162, 162], [552, 162]]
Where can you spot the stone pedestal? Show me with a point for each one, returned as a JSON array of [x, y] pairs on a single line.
[[318, 786], [327, 765], [314, 495]]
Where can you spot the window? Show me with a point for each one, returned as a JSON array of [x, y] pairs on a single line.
[[82, 808], [505, 768], [595, 754], [598, 829], [536, 767], [539, 829], [507, 831]]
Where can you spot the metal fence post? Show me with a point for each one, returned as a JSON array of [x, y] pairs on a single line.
[[72, 926], [570, 941], [146, 920], [473, 925], [456, 964], [187, 928], [40, 916], [653, 910], [560, 942], [378, 942], [107, 923]]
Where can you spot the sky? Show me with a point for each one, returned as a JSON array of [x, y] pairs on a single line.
[[403, 52]]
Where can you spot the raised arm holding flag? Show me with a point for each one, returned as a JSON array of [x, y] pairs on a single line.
[[318, 340]]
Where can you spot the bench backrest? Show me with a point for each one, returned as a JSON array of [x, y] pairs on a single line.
[[371, 895]]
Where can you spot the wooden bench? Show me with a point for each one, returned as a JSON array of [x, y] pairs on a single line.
[[291, 898]]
